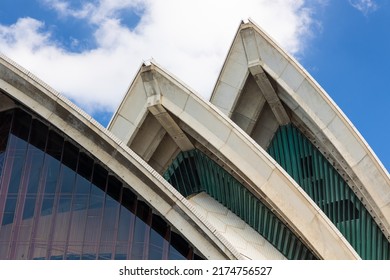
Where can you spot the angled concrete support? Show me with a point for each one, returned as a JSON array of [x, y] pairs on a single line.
[[269, 94], [173, 129], [257, 71], [158, 111]]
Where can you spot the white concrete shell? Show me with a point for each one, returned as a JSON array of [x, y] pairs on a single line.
[[191, 121], [18, 87], [159, 117], [246, 240], [310, 107]]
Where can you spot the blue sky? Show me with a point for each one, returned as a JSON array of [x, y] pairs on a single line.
[[350, 59], [91, 50]]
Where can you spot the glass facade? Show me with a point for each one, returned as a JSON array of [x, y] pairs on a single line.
[[193, 172], [322, 182], [58, 202]]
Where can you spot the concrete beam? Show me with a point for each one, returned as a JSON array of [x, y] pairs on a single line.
[[153, 92], [248, 36], [173, 129], [249, 106], [269, 93], [147, 138]]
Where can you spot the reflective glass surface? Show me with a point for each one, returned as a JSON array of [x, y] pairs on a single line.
[[58, 202], [321, 180]]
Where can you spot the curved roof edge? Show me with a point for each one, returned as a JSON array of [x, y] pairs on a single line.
[[37, 96], [247, 240], [315, 108], [265, 177]]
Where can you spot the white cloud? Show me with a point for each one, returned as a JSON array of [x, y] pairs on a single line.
[[188, 38], [93, 11], [365, 6]]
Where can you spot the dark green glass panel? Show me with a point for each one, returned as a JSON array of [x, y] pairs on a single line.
[[193, 172], [319, 179]]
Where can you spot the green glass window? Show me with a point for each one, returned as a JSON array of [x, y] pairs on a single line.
[[193, 172], [321, 181]]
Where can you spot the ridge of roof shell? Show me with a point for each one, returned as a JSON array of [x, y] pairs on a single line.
[[317, 112]]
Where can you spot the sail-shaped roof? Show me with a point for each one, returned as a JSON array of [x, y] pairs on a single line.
[[262, 88]]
